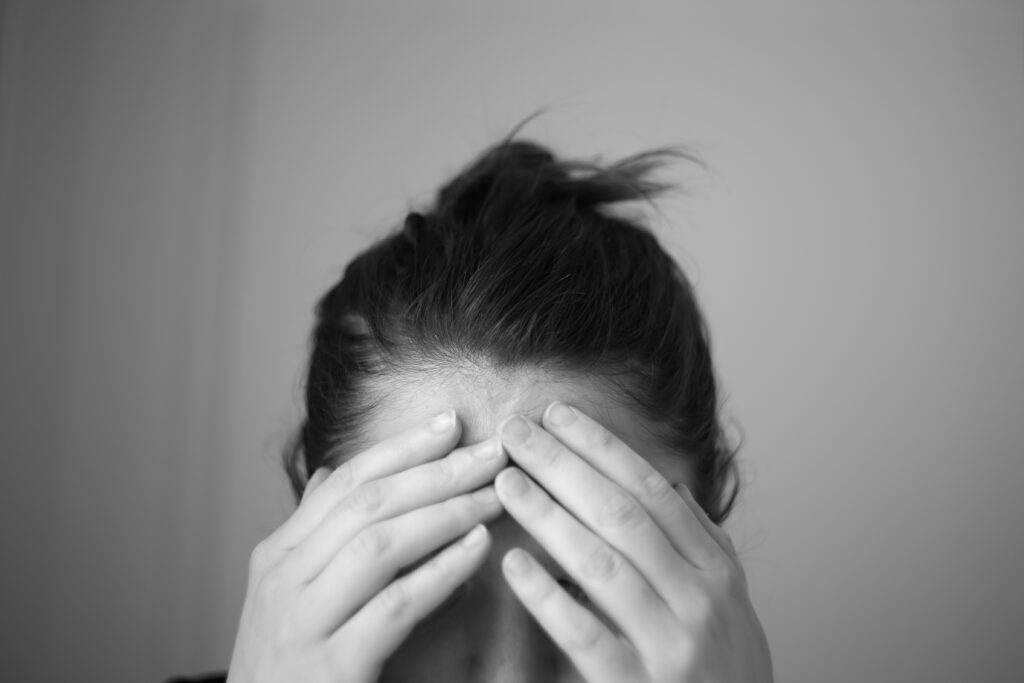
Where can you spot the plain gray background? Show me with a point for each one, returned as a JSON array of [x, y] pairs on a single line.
[[181, 180]]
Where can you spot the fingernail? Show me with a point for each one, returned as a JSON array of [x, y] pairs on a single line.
[[514, 430], [513, 482], [475, 537], [443, 422], [486, 496], [560, 414], [488, 451], [516, 562]]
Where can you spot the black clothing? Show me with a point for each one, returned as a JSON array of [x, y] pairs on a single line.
[[221, 677]]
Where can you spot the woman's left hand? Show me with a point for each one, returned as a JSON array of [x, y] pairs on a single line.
[[665, 578]]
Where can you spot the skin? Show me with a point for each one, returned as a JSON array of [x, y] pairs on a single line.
[[595, 565]]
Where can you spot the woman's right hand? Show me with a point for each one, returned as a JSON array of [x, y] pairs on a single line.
[[322, 603]]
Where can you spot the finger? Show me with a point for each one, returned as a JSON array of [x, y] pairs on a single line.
[[424, 442], [608, 578], [465, 469], [369, 562], [318, 478], [377, 629], [622, 465], [598, 502], [594, 650]]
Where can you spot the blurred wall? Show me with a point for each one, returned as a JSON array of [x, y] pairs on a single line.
[[180, 181]]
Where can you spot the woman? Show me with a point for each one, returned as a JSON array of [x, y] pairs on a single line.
[[516, 465]]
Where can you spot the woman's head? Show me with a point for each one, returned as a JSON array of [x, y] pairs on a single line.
[[521, 266]]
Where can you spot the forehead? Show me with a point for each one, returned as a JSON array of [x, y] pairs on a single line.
[[483, 396]]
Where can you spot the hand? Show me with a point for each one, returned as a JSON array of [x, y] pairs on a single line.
[[321, 604], [665, 578]]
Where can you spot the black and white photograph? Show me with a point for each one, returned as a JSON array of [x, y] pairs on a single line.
[[661, 341]]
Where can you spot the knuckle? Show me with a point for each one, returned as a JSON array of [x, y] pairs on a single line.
[[602, 564], [585, 636], [601, 437], [365, 498], [344, 477], [373, 541], [621, 509], [656, 489], [393, 601], [260, 559], [549, 454], [445, 472]]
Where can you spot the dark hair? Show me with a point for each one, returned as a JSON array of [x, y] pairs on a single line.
[[520, 263]]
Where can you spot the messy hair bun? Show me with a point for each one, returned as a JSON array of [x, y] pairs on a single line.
[[519, 169]]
